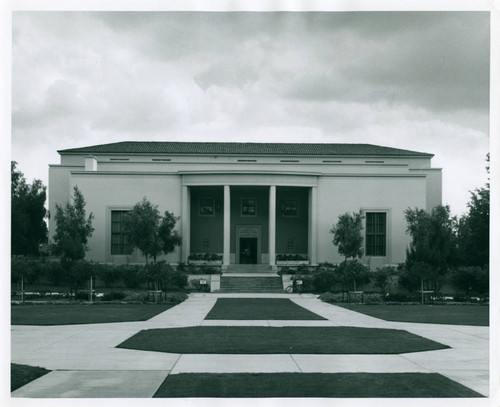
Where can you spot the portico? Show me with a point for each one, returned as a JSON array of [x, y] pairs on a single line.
[[247, 219]]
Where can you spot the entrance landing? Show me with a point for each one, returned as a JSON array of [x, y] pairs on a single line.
[[249, 269]]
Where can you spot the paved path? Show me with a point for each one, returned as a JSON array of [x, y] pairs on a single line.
[[86, 363]]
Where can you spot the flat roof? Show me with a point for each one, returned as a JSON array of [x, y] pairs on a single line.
[[200, 148]]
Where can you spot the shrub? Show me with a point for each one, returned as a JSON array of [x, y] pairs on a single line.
[[470, 280], [83, 295], [399, 297], [137, 297], [54, 272], [383, 278], [114, 296], [352, 274], [165, 277], [132, 276], [107, 274], [80, 272], [331, 298], [324, 281], [175, 280], [373, 299], [28, 269], [205, 256]]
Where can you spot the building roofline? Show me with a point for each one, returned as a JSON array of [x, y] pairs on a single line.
[[241, 149]]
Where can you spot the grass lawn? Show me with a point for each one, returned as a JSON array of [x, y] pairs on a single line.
[[477, 315], [23, 374], [279, 340], [83, 313], [260, 308], [342, 385]]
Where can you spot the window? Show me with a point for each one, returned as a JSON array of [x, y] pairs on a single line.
[[248, 207], [207, 207], [376, 223], [119, 239], [289, 208]]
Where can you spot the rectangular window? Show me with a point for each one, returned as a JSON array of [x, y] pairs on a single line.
[[248, 207], [207, 207], [376, 224], [289, 208], [119, 239]]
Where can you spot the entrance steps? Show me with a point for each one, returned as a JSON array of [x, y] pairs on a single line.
[[248, 283], [250, 278]]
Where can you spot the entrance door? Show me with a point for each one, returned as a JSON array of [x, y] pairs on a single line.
[[248, 250]]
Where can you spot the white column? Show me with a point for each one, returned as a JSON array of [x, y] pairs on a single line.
[[227, 226], [185, 223], [313, 225], [272, 225]]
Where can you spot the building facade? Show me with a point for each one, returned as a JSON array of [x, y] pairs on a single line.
[[249, 202]]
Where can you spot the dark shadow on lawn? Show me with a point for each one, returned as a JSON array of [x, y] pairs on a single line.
[[341, 385], [260, 309], [279, 340]]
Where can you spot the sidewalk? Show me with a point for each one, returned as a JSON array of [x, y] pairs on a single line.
[[86, 363]]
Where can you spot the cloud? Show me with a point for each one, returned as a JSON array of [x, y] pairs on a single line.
[[410, 80]]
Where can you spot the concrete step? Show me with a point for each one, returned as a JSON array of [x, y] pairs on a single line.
[[254, 284], [248, 268]]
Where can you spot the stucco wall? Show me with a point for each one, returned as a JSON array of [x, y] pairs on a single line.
[[337, 195], [104, 193], [434, 187]]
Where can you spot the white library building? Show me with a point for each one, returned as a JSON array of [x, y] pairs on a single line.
[[249, 202]]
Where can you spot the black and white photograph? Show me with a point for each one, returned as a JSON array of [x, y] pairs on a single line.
[[264, 203]]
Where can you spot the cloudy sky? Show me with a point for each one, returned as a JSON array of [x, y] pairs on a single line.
[[414, 80]]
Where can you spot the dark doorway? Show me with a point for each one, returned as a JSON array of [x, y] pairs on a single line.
[[248, 250]]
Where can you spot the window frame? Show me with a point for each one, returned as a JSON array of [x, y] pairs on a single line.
[[373, 249], [248, 215], [204, 203], [284, 204], [122, 236]]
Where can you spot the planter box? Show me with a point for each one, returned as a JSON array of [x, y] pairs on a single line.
[[205, 262], [292, 262]]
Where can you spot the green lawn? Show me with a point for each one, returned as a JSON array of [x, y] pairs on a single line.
[[279, 340], [477, 315], [23, 374], [83, 313], [341, 385], [259, 308]]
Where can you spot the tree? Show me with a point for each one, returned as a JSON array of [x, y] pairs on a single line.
[[474, 228], [149, 232], [432, 249], [73, 229], [28, 227], [347, 235]]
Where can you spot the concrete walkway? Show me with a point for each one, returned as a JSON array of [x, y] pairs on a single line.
[[86, 363]]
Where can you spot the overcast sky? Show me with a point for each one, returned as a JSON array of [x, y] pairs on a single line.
[[414, 80]]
